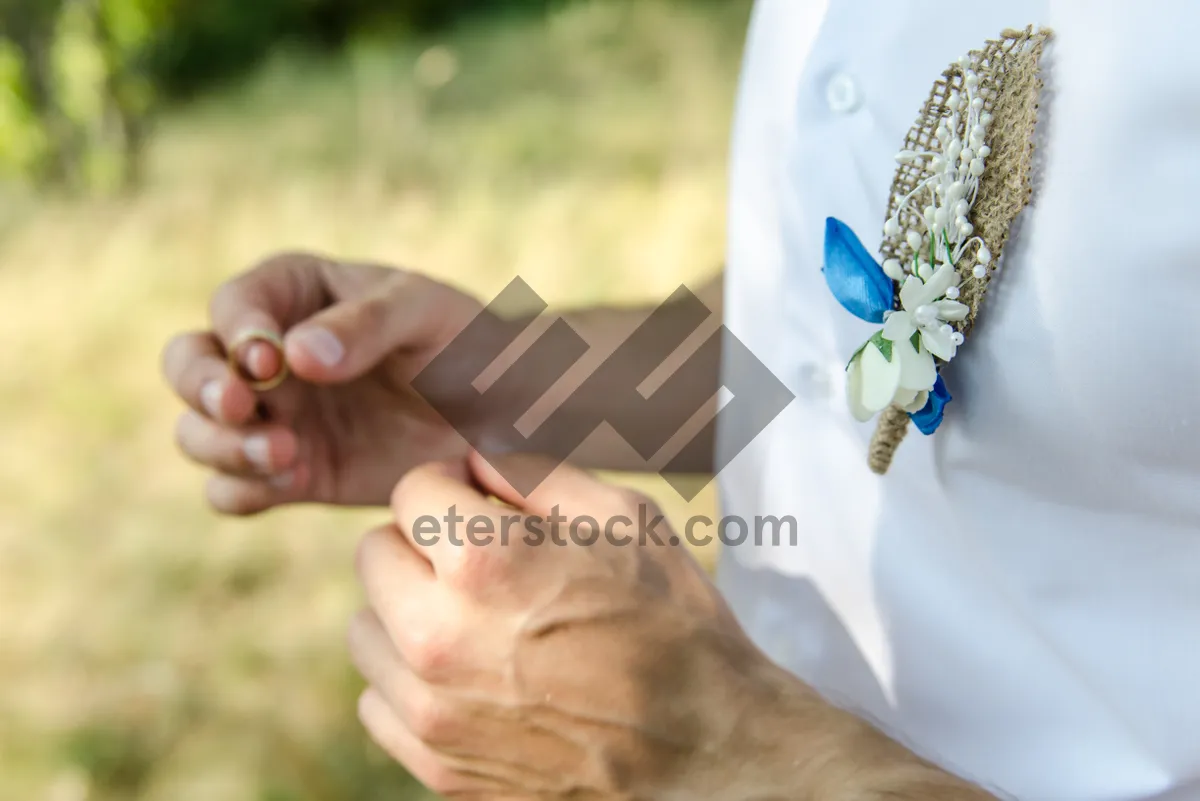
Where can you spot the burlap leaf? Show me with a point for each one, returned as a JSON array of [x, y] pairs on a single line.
[[1010, 85]]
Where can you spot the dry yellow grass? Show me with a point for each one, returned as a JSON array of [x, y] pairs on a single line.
[[150, 650]]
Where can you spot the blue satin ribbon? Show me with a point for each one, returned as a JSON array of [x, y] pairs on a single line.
[[856, 279], [929, 418], [864, 290]]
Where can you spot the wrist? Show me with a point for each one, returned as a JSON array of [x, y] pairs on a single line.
[[790, 743]]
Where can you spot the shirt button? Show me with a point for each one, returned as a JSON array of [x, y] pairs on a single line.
[[842, 94], [815, 382]]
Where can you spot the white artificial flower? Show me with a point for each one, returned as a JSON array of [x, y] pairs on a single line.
[[886, 373], [923, 309], [896, 367]]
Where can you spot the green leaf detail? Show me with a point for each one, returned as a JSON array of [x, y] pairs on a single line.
[[915, 339], [857, 353], [884, 345]]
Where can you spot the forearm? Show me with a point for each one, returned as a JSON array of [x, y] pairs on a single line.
[[598, 387]]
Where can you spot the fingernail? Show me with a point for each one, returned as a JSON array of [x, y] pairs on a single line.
[[258, 451], [322, 344], [282, 481], [210, 398]]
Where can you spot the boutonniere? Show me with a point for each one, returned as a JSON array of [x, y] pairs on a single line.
[[963, 176]]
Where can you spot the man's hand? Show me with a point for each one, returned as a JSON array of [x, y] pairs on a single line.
[[346, 425], [530, 665], [534, 652]]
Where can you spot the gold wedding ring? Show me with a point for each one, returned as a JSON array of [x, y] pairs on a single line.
[[258, 335]]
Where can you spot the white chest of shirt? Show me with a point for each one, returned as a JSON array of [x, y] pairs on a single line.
[[1020, 596]]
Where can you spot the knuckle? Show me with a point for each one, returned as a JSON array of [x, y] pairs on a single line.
[[404, 488], [183, 426], [178, 357], [358, 630], [475, 568], [411, 489], [232, 500], [282, 263], [173, 354], [284, 260], [402, 283], [225, 294], [373, 313], [411, 482], [372, 545], [185, 436], [429, 719], [239, 506], [438, 777], [430, 652]]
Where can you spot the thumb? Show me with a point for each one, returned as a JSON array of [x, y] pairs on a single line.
[[350, 338]]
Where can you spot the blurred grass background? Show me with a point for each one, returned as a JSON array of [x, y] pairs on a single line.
[[151, 650]]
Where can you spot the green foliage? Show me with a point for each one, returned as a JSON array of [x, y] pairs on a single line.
[[204, 41], [80, 79], [74, 92], [116, 758]]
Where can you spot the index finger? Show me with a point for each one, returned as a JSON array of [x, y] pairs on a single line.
[[433, 505], [271, 298]]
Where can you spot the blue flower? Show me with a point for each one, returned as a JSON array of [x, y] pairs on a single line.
[[929, 418], [856, 279]]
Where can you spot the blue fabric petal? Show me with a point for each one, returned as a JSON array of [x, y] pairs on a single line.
[[929, 418], [856, 279]]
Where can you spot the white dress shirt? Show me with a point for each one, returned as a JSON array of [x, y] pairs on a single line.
[[1018, 599]]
